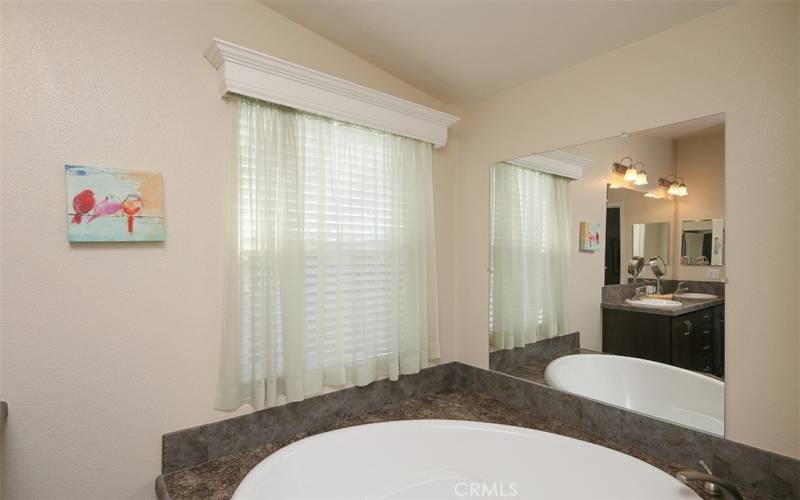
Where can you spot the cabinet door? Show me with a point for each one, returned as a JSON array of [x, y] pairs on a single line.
[[684, 344], [639, 335]]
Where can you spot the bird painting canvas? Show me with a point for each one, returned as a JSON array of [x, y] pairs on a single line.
[[589, 240], [114, 205]]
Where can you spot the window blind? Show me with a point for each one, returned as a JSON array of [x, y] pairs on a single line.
[[334, 273], [529, 254]]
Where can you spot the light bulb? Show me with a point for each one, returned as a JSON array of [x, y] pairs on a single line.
[[630, 174], [641, 178], [674, 189], [682, 191]]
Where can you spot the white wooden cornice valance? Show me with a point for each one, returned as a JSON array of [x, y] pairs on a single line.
[[558, 163], [254, 74]]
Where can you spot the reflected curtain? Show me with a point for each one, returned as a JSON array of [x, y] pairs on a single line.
[[330, 267], [529, 256]]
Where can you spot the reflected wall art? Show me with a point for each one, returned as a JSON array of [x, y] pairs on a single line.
[[589, 237], [114, 205]]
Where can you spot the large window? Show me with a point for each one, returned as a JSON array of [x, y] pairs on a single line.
[[529, 254], [331, 266]]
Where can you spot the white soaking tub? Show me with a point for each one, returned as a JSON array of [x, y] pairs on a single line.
[[452, 459], [657, 389]]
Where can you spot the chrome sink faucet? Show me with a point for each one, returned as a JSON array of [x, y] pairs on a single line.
[[712, 484], [639, 293], [682, 287]]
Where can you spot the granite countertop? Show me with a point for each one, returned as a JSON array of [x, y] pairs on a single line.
[[688, 306], [218, 478]]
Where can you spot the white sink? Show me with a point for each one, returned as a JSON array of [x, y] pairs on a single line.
[[647, 302], [697, 296], [418, 459]]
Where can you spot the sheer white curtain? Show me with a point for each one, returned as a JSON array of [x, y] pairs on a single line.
[[529, 256], [330, 271]]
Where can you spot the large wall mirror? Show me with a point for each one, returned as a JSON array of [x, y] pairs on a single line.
[[607, 273]]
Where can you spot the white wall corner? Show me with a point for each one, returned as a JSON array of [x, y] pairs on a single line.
[[254, 74]]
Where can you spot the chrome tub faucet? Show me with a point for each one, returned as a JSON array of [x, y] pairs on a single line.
[[712, 485]]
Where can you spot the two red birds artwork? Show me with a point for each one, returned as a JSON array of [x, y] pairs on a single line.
[[85, 205]]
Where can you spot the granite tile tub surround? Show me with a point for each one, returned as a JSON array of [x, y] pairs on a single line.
[[537, 352], [534, 371], [196, 445], [203, 465], [219, 478], [761, 473]]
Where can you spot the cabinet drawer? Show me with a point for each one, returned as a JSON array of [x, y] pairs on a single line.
[[699, 323], [704, 349], [704, 333], [704, 364], [700, 317]]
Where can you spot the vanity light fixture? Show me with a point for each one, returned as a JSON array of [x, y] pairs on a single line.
[[627, 171], [660, 192], [674, 190], [640, 179], [676, 186]]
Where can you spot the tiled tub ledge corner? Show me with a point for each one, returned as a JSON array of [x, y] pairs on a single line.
[[196, 445], [505, 359], [761, 474]]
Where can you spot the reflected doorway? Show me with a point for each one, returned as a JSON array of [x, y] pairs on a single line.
[[613, 273]]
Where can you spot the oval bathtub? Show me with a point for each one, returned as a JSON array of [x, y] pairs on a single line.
[[652, 388], [452, 459]]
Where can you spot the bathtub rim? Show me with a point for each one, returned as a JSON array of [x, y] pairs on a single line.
[[630, 359], [476, 425]]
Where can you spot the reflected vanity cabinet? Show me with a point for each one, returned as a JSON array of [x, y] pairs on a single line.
[[694, 341]]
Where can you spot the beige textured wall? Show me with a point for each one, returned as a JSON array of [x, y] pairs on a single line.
[[742, 60], [106, 347], [700, 160]]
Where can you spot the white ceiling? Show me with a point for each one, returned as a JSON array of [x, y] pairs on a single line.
[[461, 51]]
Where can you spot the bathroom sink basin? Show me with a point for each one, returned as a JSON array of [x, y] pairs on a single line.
[[654, 302], [695, 296]]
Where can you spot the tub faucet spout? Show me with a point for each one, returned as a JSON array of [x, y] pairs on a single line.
[[712, 484]]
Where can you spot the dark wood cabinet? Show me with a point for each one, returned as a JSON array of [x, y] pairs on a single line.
[[695, 341]]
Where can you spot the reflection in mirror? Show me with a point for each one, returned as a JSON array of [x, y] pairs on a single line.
[[595, 287], [650, 240], [529, 237], [703, 242]]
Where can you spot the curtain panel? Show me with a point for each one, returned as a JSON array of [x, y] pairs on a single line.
[[529, 253], [330, 276]]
